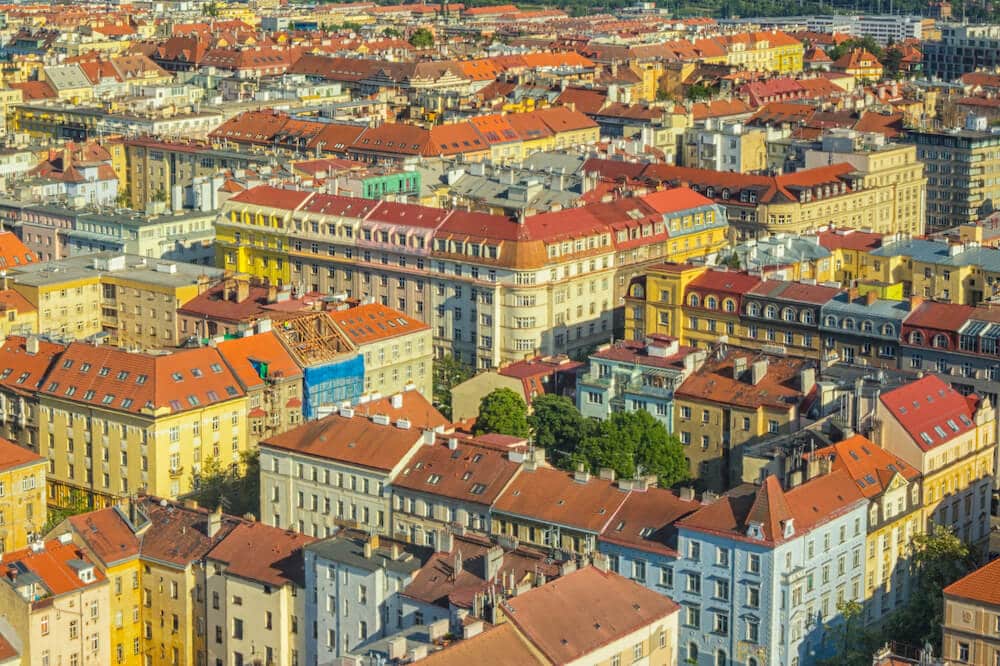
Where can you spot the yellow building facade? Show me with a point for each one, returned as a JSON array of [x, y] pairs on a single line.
[[22, 496]]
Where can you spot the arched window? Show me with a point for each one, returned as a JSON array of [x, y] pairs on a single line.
[[916, 338], [771, 312], [940, 340], [866, 326], [730, 305], [694, 301], [720, 658], [849, 323], [752, 661], [788, 314], [693, 653], [807, 316], [753, 309], [831, 320], [888, 330], [711, 302]]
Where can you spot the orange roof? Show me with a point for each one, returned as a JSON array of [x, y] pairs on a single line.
[[412, 407], [469, 472], [646, 521], [355, 440], [982, 585], [112, 378], [13, 456], [255, 358], [374, 322], [569, 618], [714, 382], [13, 252], [500, 645], [930, 411], [107, 534], [22, 371], [871, 466], [261, 553], [52, 565], [675, 199], [553, 496]]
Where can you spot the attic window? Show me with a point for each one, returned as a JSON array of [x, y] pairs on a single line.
[[175, 405], [434, 479], [231, 390], [68, 363], [478, 489], [126, 402], [965, 419], [196, 372], [24, 376], [645, 531], [952, 425], [216, 368], [178, 377], [141, 379], [89, 395], [123, 375], [476, 458], [104, 371], [927, 438]]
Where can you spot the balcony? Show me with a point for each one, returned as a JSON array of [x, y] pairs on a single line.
[[175, 472]]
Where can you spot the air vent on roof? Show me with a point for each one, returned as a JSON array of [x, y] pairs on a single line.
[[381, 419]]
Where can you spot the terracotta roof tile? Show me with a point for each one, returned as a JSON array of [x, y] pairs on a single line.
[[107, 534], [646, 520], [469, 472], [499, 645], [264, 554], [256, 357], [553, 496], [982, 585], [930, 411], [178, 535], [714, 382], [52, 566], [866, 463], [22, 371], [13, 456], [412, 407]]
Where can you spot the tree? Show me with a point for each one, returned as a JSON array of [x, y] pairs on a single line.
[[235, 487], [448, 373], [633, 443], [699, 91], [939, 559], [557, 426], [504, 412], [892, 62], [76, 502], [854, 643], [422, 38], [391, 33]]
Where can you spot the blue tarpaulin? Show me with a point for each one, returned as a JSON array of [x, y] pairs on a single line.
[[332, 383]]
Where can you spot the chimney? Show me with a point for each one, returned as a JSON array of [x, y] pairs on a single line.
[[581, 475], [687, 493], [916, 302], [31, 344], [215, 522], [397, 401], [758, 371], [371, 545], [807, 380], [272, 293], [494, 560], [453, 443], [242, 289], [447, 542], [606, 473], [871, 297], [739, 367], [474, 628]]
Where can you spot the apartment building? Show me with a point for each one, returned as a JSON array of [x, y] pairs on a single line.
[[137, 297], [895, 516], [971, 618], [22, 496], [336, 471], [115, 422], [17, 315], [44, 579], [256, 597], [784, 317], [492, 289], [862, 329], [271, 380], [951, 440], [25, 363], [936, 268], [636, 375], [732, 401], [398, 349], [760, 564], [961, 168], [725, 146], [451, 481], [962, 48]]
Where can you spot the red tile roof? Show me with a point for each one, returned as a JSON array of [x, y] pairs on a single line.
[[22, 371], [7, 651], [413, 407], [553, 496], [255, 358], [469, 472], [871, 466], [355, 440], [646, 521], [675, 199], [13, 252], [982, 585], [939, 316], [570, 618], [266, 195], [714, 382], [498, 645], [107, 534], [178, 535], [930, 411], [52, 566], [374, 322], [850, 239], [114, 379], [14, 456], [264, 554]]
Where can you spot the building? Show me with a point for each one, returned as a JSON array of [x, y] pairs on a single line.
[[955, 163], [256, 596], [862, 330], [493, 289], [25, 362], [557, 510], [962, 49], [137, 298], [337, 471], [951, 440], [22, 496], [594, 616], [354, 581], [895, 512], [529, 378], [111, 538], [118, 422], [732, 401], [398, 349], [784, 317], [271, 380], [43, 580], [971, 613], [451, 481], [627, 376], [760, 565], [725, 146], [935, 269], [640, 541]]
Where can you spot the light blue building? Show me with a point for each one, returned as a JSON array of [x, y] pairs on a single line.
[[628, 375], [761, 573]]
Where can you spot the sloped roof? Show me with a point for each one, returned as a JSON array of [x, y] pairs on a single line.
[[930, 411]]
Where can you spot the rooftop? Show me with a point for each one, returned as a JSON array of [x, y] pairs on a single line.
[[554, 496], [264, 554], [931, 412]]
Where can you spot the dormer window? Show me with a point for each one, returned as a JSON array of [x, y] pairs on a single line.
[[788, 528], [755, 531]]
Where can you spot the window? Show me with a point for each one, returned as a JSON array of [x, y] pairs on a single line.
[[753, 563], [637, 651], [694, 551], [753, 596], [963, 652], [753, 631], [692, 616], [237, 628]]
